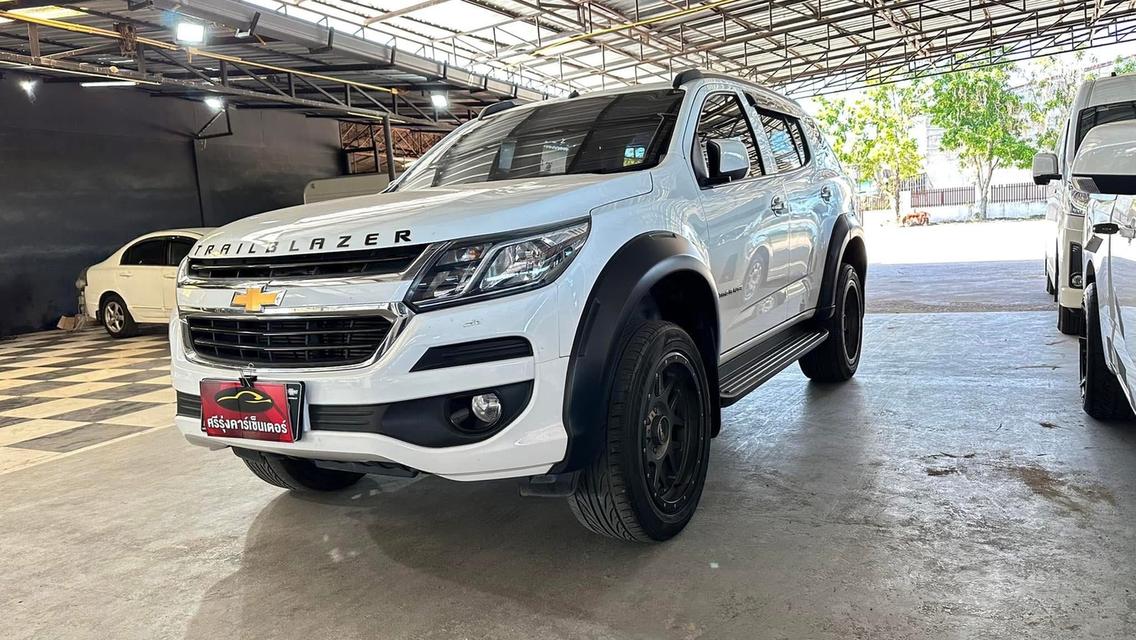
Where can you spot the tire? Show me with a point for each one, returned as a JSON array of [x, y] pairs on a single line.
[[1071, 322], [1101, 394], [297, 475], [116, 318], [838, 357], [658, 419]]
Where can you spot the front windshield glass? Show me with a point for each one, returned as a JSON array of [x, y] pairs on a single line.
[[602, 134], [1103, 114]]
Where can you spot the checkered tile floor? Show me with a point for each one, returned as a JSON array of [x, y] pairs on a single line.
[[64, 392]]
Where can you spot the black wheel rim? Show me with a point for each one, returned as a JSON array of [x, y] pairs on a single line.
[[852, 322], [672, 434]]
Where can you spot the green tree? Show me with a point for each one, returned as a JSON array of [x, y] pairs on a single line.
[[1124, 65], [1049, 91], [984, 121], [872, 135]]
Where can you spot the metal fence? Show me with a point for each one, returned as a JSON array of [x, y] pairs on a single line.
[[942, 197], [1020, 192], [875, 201]]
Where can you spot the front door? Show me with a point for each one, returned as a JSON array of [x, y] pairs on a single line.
[[748, 223], [1119, 305]]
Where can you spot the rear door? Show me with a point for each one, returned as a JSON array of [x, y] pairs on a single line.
[[140, 278], [811, 198], [748, 224], [178, 248]]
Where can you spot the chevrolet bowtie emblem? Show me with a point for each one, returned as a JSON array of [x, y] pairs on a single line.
[[256, 298]]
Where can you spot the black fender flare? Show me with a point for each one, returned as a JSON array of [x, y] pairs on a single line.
[[624, 282], [842, 234]]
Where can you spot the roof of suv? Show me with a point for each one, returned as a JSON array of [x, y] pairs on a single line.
[[770, 98], [1106, 90]]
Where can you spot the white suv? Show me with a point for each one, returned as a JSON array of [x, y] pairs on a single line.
[[1106, 168], [566, 292], [1098, 101]]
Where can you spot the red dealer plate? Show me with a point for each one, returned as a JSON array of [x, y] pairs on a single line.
[[260, 411]]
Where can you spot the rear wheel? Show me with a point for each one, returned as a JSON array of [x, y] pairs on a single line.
[[117, 319], [1101, 395], [646, 483], [837, 358], [295, 474]]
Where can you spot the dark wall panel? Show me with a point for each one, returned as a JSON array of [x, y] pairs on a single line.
[[82, 171]]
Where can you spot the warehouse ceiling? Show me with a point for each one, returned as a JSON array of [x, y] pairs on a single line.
[[433, 63]]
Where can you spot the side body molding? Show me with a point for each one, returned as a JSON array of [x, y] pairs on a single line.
[[617, 295]]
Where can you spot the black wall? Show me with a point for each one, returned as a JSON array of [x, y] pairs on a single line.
[[82, 171]]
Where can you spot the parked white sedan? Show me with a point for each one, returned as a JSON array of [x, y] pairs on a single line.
[[136, 284]]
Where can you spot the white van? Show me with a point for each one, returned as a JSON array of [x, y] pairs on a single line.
[[1100, 101]]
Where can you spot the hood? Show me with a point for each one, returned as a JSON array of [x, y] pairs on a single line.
[[421, 217]]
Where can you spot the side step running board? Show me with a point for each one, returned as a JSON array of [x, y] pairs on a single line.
[[747, 371]]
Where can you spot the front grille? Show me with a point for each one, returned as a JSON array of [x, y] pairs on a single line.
[[371, 262], [288, 342]]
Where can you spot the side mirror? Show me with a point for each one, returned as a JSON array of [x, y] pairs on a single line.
[[1106, 161], [1045, 168], [727, 158]]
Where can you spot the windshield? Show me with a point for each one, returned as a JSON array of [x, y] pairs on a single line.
[[1103, 114], [603, 134]]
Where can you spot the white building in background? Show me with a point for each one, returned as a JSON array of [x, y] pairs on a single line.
[[943, 168]]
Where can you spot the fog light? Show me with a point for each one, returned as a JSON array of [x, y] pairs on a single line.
[[1076, 280], [486, 407]]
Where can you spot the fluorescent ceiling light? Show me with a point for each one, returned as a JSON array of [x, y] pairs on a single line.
[[214, 103], [109, 83], [29, 87], [47, 13], [439, 100], [190, 32]]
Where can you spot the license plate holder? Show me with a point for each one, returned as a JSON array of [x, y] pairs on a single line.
[[258, 410]]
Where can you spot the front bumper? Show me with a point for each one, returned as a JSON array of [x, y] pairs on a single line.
[[528, 445], [1069, 285]]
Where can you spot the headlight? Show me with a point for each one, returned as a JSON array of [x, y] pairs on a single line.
[[183, 270], [1078, 201], [479, 268]]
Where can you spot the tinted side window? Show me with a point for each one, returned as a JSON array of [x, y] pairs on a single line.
[[179, 248], [146, 253], [723, 117], [786, 140]]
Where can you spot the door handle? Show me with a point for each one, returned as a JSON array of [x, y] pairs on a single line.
[[777, 205], [1106, 228], [125, 275], [826, 193]]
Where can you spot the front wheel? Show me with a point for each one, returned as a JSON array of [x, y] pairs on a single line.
[[295, 474], [1070, 322], [646, 483], [1101, 395], [838, 357]]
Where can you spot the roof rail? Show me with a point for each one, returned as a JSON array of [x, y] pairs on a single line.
[[685, 76], [574, 94], [496, 108]]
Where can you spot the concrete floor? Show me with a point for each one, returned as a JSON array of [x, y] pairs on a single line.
[[953, 489]]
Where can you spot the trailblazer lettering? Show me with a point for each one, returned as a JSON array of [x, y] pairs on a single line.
[[352, 241]]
